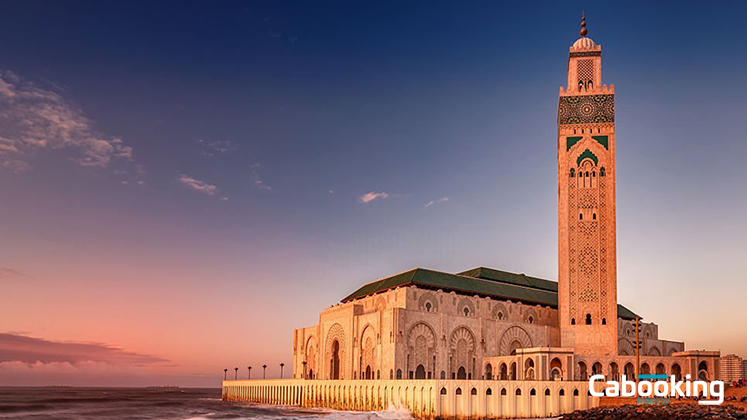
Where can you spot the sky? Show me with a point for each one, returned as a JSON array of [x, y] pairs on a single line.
[[183, 183]]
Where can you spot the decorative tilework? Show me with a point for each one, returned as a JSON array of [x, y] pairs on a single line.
[[603, 140], [570, 141], [586, 54], [586, 109], [587, 154]]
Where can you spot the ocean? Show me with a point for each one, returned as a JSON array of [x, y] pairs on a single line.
[[62, 403]]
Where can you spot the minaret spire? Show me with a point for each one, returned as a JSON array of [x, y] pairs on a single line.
[[583, 30]]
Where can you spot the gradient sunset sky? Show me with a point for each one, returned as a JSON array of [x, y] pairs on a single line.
[[183, 183]]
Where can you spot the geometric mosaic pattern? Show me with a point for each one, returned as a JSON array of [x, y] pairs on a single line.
[[586, 109]]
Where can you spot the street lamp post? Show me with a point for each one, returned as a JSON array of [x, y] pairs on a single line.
[[225, 372], [249, 368], [236, 373], [282, 365], [264, 371]]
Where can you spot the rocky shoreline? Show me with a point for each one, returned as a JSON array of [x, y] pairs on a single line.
[[649, 412]]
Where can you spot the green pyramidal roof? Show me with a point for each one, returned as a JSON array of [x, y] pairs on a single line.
[[480, 281]]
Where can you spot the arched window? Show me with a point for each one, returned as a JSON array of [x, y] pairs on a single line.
[[466, 311], [533, 392], [531, 320], [443, 391], [488, 391], [573, 321], [547, 392], [391, 373], [601, 171], [503, 391], [562, 393], [604, 321], [443, 374], [593, 174], [588, 319], [459, 391], [580, 216], [428, 306], [573, 173], [594, 216], [587, 174], [575, 393], [399, 373], [518, 391], [500, 316], [473, 392]]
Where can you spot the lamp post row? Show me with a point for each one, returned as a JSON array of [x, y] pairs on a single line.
[[249, 372]]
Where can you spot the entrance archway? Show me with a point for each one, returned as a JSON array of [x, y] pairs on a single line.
[[420, 372], [462, 373], [334, 369]]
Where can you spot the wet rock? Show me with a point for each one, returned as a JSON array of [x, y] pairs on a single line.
[[655, 412]]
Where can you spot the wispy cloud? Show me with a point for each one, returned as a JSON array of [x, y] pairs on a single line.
[[440, 200], [198, 185], [33, 118], [258, 181], [371, 196], [11, 274], [211, 148], [31, 350]]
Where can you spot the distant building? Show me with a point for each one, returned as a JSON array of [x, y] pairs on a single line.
[[733, 368]]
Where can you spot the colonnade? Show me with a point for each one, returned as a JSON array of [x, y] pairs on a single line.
[[423, 398]]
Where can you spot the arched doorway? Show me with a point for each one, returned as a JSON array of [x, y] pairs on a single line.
[[645, 369], [529, 370], [489, 372], [420, 372], [504, 372], [703, 371], [462, 373], [660, 369], [615, 371], [513, 371], [334, 369], [677, 371], [368, 372], [556, 369], [596, 369], [582, 374], [630, 371]]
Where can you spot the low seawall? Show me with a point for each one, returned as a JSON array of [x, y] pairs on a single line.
[[423, 398]]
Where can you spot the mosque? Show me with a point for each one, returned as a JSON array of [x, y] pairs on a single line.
[[486, 343], [490, 324]]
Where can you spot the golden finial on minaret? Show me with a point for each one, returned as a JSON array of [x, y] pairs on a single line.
[[583, 30]]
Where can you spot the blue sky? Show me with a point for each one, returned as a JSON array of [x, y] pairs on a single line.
[[209, 161]]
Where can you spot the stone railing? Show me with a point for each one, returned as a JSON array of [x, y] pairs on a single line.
[[423, 398]]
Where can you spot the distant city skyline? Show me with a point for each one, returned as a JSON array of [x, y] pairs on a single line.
[[175, 175]]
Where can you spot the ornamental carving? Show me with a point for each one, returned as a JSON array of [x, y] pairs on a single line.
[[586, 109]]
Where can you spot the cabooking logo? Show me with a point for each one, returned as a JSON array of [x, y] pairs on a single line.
[[659, 390]]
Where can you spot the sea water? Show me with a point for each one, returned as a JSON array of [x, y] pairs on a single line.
[[62, 403]]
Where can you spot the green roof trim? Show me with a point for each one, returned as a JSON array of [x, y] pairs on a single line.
[[511, 278], [603, 140], [570, 141], [480, 281], [587, 154]]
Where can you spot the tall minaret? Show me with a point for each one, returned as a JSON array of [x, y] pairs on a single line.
[[587, 252]]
